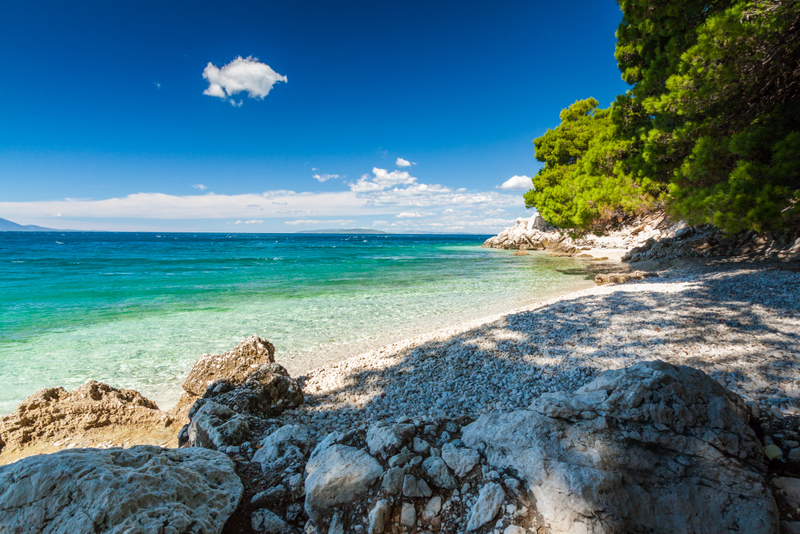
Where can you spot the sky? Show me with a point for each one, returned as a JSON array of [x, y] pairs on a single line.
[[288, 115]]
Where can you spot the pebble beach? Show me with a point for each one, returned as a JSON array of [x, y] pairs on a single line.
[[739, 323]]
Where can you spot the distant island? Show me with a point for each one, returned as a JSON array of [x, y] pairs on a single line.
[[356, 231], [9, 226]]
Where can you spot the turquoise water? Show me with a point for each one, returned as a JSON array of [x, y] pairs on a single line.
[[135, 310]]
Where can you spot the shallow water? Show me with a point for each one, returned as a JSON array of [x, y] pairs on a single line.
[[135, 310]]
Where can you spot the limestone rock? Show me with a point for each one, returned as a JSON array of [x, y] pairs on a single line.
[[486, 506], [288, 444], [621, 278], [378, 516], [439, 473], [459, 459], [382, 437], [137, 490], [54, 413], [337, 475], [650, 448], [408, 515], [266, 392], [215, 426], [266, 522], [415, 487], [234, 366]]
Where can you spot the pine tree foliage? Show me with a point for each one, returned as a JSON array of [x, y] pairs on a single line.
[[710, 126]]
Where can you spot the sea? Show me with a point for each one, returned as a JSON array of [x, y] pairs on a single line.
[[135, 310]]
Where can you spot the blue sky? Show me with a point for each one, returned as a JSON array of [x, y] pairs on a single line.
[[105, 124]]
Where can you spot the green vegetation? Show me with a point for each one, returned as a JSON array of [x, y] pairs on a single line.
[[710, 128]]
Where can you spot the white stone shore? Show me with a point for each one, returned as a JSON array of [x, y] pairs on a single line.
[[739, 323]]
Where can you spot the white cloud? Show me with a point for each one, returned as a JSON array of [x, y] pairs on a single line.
[[413, 215], [252, 221], [201, 187], [240, 75], [518, 183], [403, 163], [380, 180], [340, 222], [324, 177]]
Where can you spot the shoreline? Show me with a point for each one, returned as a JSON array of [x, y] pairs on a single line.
[[501, 362]]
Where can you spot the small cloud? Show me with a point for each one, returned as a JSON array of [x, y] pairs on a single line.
[[157, 84], [56, 215], [403, 163], [518, 183], [381, 180], [324, 177], [241, 74], [412, 215], [201, 187], [314, 169], [253, 221]]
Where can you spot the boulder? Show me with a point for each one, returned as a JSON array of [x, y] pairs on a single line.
[[337, 475], [621, 278], [459, 459], [264, 521], [54, 413], [266, 392], [287, 445], [650, 448], [486, 506], [215, 426], [136, 490], [234, 366], [383, 437]]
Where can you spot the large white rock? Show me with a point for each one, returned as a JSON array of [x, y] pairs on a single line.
[[460, 459], [486, 506], [650, 448], [143, 490], [337, 475], [215, 426], [288, 444]]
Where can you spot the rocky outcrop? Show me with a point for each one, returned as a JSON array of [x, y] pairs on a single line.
[[621, 278], [138, 490], [220, 418], [53, 414], [707, 242], [535, 233], [650, 448], [234, 366]]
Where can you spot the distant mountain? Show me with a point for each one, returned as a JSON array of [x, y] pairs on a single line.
[[353, 231], [8, 226]]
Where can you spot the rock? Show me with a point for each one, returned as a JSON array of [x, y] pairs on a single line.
[[393, 480], [266, 392], [421, 446], [459, 459], [439, 473], [773, 452], [791, 491], [54, 413], [234, 366], [650, 448], [378, 516], [266, 522], [136, 490], [621, 278], [433, 508], [408, 515], [289, 444], [415, 487], [215, 426], [514, 529], [337, 475], [336, 526], [521, 253], [382, 437], [790, 527], [486, 507]]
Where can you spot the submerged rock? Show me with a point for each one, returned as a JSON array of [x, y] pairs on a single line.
[[650, 448], [138, 490], [234, 366], [621, 278]]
